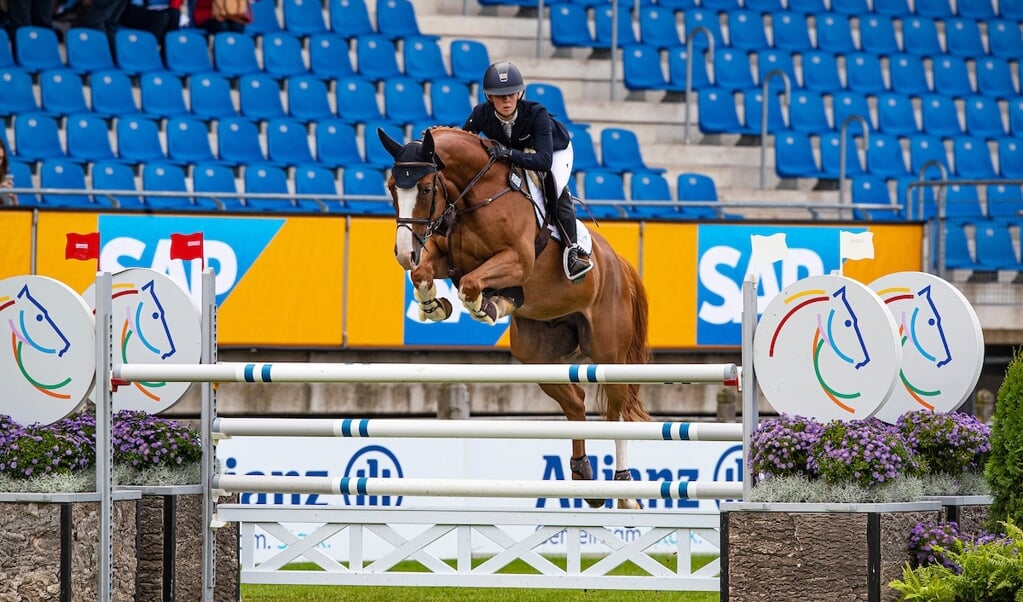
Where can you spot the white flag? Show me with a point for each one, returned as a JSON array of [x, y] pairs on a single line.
[[856, 246], [768, 249]]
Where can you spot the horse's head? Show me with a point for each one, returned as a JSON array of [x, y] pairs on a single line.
[[33, 325], [151, 323], [925, 330], [414, 187], [843, 331]]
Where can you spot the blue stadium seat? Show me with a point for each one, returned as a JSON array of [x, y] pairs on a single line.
[[585, 154], [807, 113], [924, 149], [708, 19], [658, 27], [6, 53], [602, 31], [238, 141], [834, 34], [907, 75], [287, 142], [61, 92], [162, 94], [979, 10], [602, 185], [259, 97], [732, 69], [814, 7], [366, 181], [920, 37], [877, 35], [551, 96], [885, 157], [137, 51], [396, 19], [984, 118], [872, 190], [677, 66], [165, 177], [187, 52], [1004, 38], [423, 59], [896, 115], [994, 247], [972, 158], [851, 7], [328, 57], [234, 54], [188, 141], [1010, 158], [641, 68], [115, 176], [210, 96], [951, 76], [282, 55], [66, 175], [933, 8], [303, 17], [337, 144], [769, 60], [37, 49], [22, 174], [794, 157], [698, 187], [112, 94], [264, 19], [957, 249], [894, 8], [570, 27], [820, 71], [308, 98], [790, 32], [88, 50], [994, 78], [722, 6], [450, 101], [716, 112], [746, 30], [1005, 202], [376, 154], [88, 138], [620, 151], [262, 178], [1016, 117], [764, 6], [16, 94], [939, 116], [962, 203], [349, 19], [314, 179], [863, 73], [647, 188], [357, 100], [845, 104], [753, 114], [36, 137], [469, 60], [1011, 9], [213, 179], [138, 140], [377, 57], [831, 151], [962, 38]]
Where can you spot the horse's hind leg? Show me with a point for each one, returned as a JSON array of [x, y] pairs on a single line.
[[572, 400]]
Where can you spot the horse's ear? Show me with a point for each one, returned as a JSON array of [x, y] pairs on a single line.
[[390, 145], [428, 149]]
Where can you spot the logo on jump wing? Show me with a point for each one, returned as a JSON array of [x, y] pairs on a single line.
[[920, 330], [145, 327], [837, 328], [33, 331]]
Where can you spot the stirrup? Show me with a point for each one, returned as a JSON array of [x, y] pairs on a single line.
[[587, 264]]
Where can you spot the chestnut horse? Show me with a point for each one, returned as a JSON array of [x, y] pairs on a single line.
[[459, 218]]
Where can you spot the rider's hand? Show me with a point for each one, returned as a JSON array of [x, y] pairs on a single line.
[[499, 152]]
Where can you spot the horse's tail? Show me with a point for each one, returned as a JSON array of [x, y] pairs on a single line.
[[639, 348]]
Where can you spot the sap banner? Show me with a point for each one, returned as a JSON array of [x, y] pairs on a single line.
[[460, 459]]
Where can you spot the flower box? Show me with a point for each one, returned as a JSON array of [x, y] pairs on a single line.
[[797, 552], [48, 546]]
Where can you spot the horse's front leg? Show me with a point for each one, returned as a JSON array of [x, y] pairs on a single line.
[[505, 269], [431, 307]]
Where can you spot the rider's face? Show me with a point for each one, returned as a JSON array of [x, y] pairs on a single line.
[[505, 103]]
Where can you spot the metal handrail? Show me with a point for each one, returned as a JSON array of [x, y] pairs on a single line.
[[842, 149], [763, 118], [690, 35]]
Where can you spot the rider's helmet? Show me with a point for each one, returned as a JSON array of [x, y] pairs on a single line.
[[501, 79]]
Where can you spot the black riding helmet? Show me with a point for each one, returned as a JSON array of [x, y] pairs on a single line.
[[501, 79]]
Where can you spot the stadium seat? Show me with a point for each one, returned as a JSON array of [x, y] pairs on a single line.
[[769, 60], [137, 51], [716, 113], [88, 138], [677, 66], [896, 115], [336, 144], [238, 141], [282, 55], [469, 60], [984, 118], [807, 113], [315, 180], [328, 57], [951, 76], [349, 19], [585, 154], [210, 96], [287, 142], [814, 7], [138, 140], [863, 73], [376, 155], [906, 72], [115, 176], [831, 152], [6, 52], [894, 8], [450, 101], [939, 116], [732, 70], [1011, 9], [165, 177], [66, 175], [872, 190], [957, 249], [1005, 202], [920, 37], [962, 38], [234, 54], [16, 94], [994, 247], [994, 78], [939, 9], [620, 151], [658, 27], [885, 157], [962, 203], [764, 6], [693, 187], [877, 35], [162, 94], [187, 52], [834, 34], [37, 49], [188, 141], [396, 19], [1010, 158], [722, 6], [708, 19], [265, 179], [88, 50], [794, 157], [214, 179], [846, 104], [602, 185], [22, 174], [1016, 117], [36, 137], [641, 68], [753, 114], [646, 191], [978, 10], [820, 71], [790, 32], [112, 94], [264, 19], [308, 98], [61, 92], [972, 158], [1004, 38], [570, 27], [746, 30], [357, 100], [303, 17], [359, 180], [377, 58], [551, 96], [423, 59], [259, 97], [924, 149], [851, 7]]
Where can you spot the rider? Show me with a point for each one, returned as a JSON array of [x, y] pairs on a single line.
[[517, 124]]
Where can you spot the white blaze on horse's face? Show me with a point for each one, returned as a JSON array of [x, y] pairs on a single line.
[[404, 246]]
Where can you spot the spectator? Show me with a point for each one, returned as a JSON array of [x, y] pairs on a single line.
[[21, 13], [157, 16], [103, 15], [6, 178], [202, 16]]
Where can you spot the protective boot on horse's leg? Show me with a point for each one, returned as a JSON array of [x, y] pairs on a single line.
[[562, 212]]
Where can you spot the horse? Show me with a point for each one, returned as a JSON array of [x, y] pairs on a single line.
[[460, 215]]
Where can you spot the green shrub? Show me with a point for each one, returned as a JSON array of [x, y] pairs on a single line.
[[1004, 470]]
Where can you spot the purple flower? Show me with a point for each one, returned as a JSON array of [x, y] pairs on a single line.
[[951, 443], [780, 446]]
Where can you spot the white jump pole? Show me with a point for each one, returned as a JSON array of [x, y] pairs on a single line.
[[476, 429], [429, 373], [643, 490]]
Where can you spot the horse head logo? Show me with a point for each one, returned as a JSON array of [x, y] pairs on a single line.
[[32, 328], [145, 321], [921, 329]]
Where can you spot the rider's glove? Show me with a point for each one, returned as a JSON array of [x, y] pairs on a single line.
[[499, 152]]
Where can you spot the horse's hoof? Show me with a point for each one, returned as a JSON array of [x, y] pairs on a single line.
[[625, 475], [437, 310], [583, 471], [473, 305]]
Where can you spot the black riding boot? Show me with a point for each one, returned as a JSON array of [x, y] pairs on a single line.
[[575, 260]]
